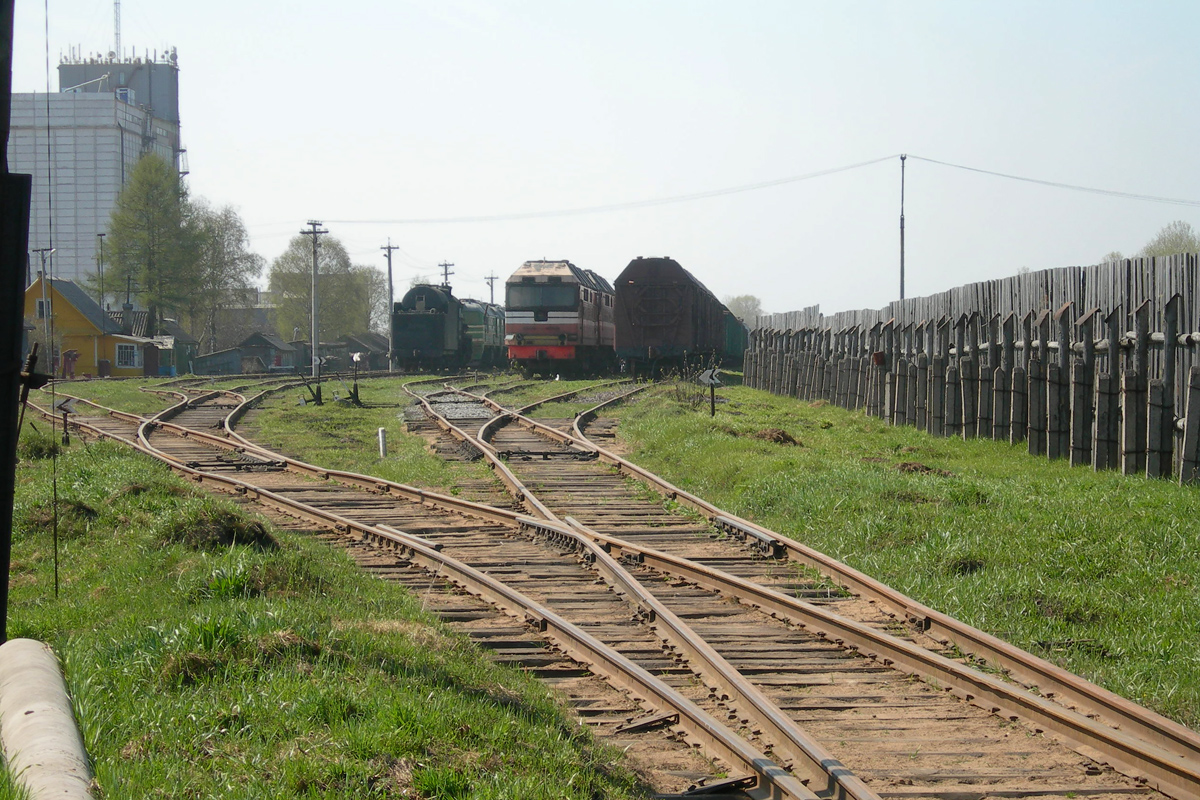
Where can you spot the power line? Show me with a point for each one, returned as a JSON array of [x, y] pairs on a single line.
[[683, 198], [1109, 192]]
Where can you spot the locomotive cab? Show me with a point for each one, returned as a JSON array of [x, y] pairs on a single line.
[[558, 317]]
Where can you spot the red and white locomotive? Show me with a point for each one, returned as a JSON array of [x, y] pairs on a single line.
[[559, 318]]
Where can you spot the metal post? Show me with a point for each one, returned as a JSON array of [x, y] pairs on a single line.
[[315, 232], [101, 236], [902, 157], [391, 307]]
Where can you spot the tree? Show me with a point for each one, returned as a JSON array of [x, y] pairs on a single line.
[[377, 298], [224, 268], [1115, 255], [150, 238], [344, 291], [1178, 237], [745, 307]]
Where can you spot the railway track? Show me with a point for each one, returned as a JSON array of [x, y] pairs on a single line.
[[922, 728], [819, 690]]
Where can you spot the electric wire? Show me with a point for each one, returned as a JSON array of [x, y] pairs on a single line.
[[1058, 185], [569, 212], [47, 271]]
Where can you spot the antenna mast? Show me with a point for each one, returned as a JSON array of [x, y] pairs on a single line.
[[117, 26]]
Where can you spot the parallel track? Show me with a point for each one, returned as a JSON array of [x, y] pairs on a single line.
[[807, 673]]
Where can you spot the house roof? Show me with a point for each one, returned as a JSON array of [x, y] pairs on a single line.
[[228, 352], [267, 338], [373, 342], [140, 318], [71, 292]]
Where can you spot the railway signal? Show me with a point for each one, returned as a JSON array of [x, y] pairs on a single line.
[[712, 379]]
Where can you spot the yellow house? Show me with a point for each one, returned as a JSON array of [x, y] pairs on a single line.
[[88, 342]]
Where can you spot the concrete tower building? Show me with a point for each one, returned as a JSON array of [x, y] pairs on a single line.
[[81, 146]]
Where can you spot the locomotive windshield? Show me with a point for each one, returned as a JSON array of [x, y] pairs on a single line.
[[529, 296]]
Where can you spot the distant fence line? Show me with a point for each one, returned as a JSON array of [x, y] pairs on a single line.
[[1095, 364]]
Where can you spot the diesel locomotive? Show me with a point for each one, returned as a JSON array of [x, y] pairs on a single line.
[[559, 318]]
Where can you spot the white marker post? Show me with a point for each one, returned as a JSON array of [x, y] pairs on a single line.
[[382, 443]]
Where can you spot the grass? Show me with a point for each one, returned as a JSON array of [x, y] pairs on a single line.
[[125, 395], [567, 409], [345, 437], [211, 655], [1094, 571]]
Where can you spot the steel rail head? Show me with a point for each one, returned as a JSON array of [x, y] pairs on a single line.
[[822, 773], [772, 780], [1050, 679], [1170, 772]]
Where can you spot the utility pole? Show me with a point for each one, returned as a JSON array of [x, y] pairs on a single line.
[[446, 273], [44, 252], [391, 307], [491, 280], [101, 236], [315, 232], [902, 157]]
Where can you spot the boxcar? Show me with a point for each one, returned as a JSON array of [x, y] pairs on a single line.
[[558, 318], [737, 339], [665, 317]]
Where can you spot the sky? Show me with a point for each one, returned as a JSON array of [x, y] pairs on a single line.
[[410, 121]]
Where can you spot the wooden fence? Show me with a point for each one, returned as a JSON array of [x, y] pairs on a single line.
[[1095, 364]]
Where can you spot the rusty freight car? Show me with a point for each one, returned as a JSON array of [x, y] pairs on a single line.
[[667, 318]]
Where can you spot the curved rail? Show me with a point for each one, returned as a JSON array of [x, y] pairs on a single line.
[[1050, 680], [771, 780], [1139, 741]]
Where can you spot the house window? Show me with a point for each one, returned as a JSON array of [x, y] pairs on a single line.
[[43, 309], [129, 356]]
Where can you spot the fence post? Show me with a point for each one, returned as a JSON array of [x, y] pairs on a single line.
[[1133, 402], [1017, 431], [1106, 449], [1037, 388], [1058, 395], [987, 345], [1083, 371], [1166, 430], [921, 382], [1189, 468], [1002, 383], [1157, 462], [953, 404]]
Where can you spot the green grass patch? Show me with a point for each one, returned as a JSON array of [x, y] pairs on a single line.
[[210, 655], [124, 395], [1095, 571], [343, 436]]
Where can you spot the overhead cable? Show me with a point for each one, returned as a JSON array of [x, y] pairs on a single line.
[[1109, 192], [683, 198]]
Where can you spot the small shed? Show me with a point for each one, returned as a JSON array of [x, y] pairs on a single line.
[[374, 348], [222, 362], [271, 352]]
